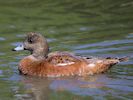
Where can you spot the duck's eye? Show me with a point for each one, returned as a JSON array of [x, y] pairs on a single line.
[[30, 40]]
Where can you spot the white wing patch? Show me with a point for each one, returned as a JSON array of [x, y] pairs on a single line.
[[91, 65], [99, 61], [64, 64]]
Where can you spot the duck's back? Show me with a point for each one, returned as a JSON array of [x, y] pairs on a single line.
[[62, 58]]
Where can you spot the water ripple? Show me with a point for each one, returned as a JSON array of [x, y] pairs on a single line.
[[2, 39], [103, 50], [105, 43]]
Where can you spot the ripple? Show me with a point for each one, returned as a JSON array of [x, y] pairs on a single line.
[[16, 43], [120, 87], [1, 53], [103, 50], [1, 72], [130, 35], [20, 35], [2, 39], [51, 39], [85, 29], [105, 43]]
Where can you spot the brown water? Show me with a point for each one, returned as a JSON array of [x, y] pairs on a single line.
[[88, 27]]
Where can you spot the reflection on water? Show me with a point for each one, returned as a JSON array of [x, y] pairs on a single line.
[[85, 27], [98, 86]]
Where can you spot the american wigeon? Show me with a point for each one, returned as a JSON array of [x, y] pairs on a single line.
[[56, 64]]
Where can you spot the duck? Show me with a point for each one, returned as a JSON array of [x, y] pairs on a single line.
[[42, 63]]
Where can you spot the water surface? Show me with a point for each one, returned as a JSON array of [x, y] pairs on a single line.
[[85, 27]]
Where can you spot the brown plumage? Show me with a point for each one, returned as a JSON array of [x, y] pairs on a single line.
[[57, 64]]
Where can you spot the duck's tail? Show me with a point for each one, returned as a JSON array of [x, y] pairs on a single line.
[[100, 65], [109, 62], [112, 61], [123, 59]]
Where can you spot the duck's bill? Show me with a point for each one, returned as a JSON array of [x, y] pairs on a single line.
[[18, 48]]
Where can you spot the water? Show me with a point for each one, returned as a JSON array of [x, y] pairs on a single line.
[[85, 27]]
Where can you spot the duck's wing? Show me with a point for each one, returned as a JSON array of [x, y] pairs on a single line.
[[62, 58]]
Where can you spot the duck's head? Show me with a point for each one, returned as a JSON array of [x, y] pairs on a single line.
[[36, 44]]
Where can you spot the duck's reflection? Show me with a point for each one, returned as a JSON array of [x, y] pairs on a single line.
[[42, 88]]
